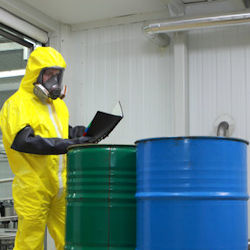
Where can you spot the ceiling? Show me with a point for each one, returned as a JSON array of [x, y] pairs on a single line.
[[79, 11], [83, 11]]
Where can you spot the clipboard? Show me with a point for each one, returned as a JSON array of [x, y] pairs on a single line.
[[103, 123]]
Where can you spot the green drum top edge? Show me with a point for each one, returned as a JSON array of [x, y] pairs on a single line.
[[90, 145]]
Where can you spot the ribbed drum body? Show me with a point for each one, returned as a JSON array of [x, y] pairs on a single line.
[[191, 194], [101, 205]]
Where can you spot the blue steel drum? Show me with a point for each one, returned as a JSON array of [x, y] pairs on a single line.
[[192, 194]]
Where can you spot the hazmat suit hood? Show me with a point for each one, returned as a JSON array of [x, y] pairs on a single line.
[[41, 57]]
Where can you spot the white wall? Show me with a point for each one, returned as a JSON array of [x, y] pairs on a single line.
[[219, 79], [119, 63]]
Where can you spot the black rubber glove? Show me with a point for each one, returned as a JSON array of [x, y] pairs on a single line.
[[76, 131], [26, 142]]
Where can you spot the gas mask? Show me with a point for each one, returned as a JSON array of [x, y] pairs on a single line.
[[52, 87]]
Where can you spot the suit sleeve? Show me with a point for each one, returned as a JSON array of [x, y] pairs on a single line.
[[27, 142]]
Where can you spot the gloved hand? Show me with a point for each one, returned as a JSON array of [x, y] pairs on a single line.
[[83, 140]]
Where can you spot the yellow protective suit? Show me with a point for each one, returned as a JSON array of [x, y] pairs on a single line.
[[39, 183]]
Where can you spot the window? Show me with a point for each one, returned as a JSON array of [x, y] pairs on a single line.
[[14, 51]]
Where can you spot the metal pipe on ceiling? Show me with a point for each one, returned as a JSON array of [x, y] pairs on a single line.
[[191, 23]]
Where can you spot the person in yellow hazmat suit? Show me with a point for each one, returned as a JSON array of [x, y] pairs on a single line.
[[36, 134]]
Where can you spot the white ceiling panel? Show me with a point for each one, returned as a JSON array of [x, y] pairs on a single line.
[[213, 6], [79, 11]]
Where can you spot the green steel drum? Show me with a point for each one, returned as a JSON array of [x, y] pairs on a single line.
[[101, 205]]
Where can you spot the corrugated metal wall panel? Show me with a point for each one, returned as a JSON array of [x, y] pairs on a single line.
[[218, 70], [119, 63]]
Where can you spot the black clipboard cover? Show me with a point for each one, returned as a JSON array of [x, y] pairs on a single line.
[[103, 124]]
